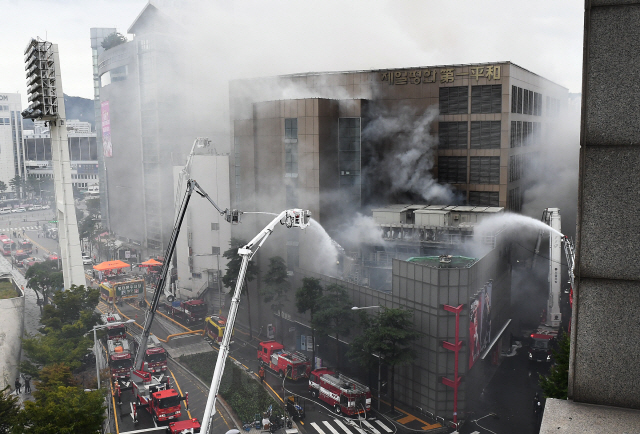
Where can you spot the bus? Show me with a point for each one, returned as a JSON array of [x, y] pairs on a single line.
[[7, 245], [214, 326]]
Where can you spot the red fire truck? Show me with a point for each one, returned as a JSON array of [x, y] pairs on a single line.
[[184, 426], [344, 394], [160, 400], [192, 311], [155, 357], [7, 245], [116, 331], [120, 362], [273, 355]]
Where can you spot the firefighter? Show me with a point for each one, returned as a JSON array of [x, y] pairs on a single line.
[[261, 374]]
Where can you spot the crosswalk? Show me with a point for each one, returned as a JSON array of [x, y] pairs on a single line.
[[24, 228], [337, 426]]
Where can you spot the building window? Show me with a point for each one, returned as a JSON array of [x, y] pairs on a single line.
[[291, 147], [215, 250], [484, 198], [452, 135], [215, 226], [485, 134], [452, 170], [484, 170], [486, 99], [514, 200], [454, 100], [349, 143]]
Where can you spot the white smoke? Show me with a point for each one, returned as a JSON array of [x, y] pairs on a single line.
[[401, 155]]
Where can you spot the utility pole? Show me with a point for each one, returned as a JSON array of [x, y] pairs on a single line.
[[44, 82]]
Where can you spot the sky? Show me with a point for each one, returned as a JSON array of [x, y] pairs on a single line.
[[259, 37]]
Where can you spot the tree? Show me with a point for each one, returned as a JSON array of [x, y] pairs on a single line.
[[9, 410], [69, 306], [386, 336], [334, 315], [233, 270], [3, 187], [93, 207], [44, 277], [307, 299], [17, 184], [33, 185], [276, 286], [555, 385], [113, 40]]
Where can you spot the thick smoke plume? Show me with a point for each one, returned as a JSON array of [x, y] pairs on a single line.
[[398, 157]]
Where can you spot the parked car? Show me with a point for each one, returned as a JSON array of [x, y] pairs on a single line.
[[45, 207], [53, 256], [86, 260], [21, 209]]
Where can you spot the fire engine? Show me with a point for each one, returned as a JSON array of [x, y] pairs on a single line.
[[540, 348], [344, 394], [192, 311], [273, 355], [155, 357], [120, 362], [117, 331], [7, 245], [184, 426], [160, 400]]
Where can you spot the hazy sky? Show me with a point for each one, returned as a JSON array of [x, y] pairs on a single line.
[[265, 37]]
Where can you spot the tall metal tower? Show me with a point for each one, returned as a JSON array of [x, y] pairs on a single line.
[[46, 99]]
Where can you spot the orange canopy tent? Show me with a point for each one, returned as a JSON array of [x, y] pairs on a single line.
[[150, 263], [110, 265]]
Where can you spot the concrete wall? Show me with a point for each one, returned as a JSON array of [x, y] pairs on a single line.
[[604, 366], [11, 329]]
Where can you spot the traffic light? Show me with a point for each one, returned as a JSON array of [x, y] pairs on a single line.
[[41, 81]]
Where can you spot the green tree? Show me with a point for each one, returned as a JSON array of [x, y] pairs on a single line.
[[3, 187], [276, 287], [9, 410], [44, 277], [387, 336], [69, 307], [233, 270], [113, 40], [307, 299], [33, 185], [17, 184], [555, 385], [334, 315], [93, 207]]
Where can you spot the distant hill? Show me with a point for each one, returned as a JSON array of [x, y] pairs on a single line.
[[75, 108]]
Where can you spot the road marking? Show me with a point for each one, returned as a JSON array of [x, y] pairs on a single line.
[[341, 425], [317, 428], [384, 427], [371, 427], [176, 381], [330, 428], [406, 419]]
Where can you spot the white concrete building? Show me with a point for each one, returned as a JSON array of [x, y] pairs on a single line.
[[11, 329], [205, 234], [11, 148], [83, 152]]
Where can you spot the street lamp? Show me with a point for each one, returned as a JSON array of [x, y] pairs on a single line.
[[95, 342]]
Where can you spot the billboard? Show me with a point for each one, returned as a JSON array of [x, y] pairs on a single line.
[[107, 148], [479, 323]]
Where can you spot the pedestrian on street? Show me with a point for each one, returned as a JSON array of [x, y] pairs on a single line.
[[261, 374], [18, 385], [27, 384]]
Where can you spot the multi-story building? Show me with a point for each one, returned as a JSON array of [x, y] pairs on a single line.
[[152, 109], [97, 36], [83, 152], [11, 151]]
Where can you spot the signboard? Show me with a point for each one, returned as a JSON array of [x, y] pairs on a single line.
[[127, 254], [309, 343], [479, 323], [443, 75], [129, 289], [106, 129], [303, 342]]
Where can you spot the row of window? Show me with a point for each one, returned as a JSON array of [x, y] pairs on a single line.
[[514, 200], [525, 133], [4, 108], [5, 121], [291, 146], [84, 176], [484, 99], [484, 135], [483, 170], [526, 101]]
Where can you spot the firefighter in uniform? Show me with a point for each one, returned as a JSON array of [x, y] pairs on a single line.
[[261, 374]]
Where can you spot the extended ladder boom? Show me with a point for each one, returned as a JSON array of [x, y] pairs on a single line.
[[291, 218]]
